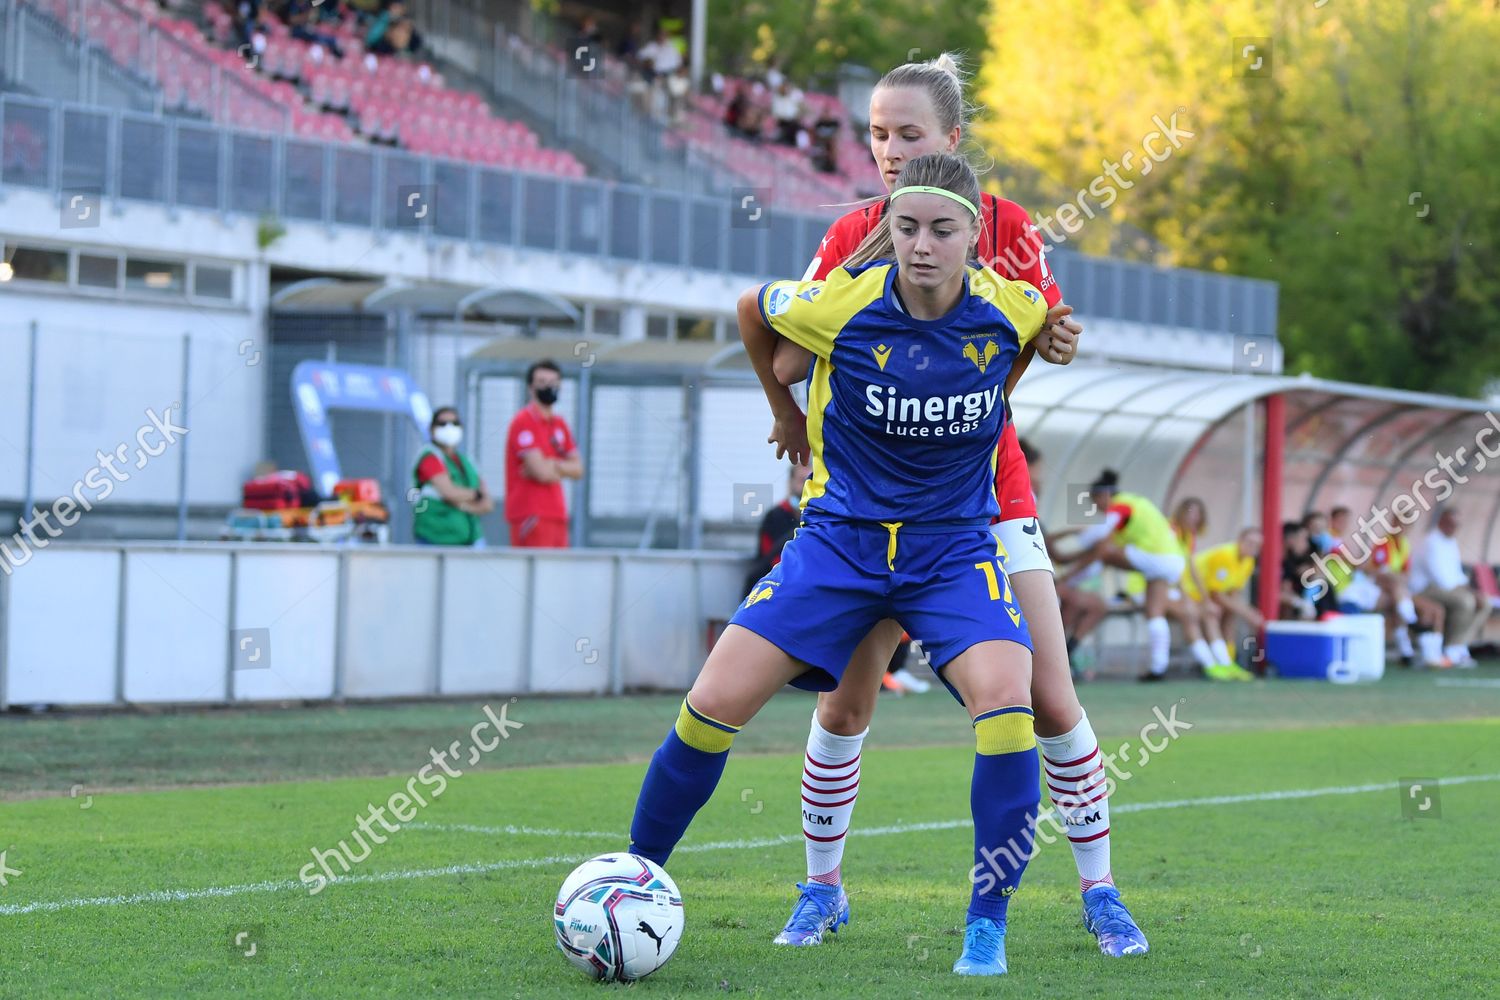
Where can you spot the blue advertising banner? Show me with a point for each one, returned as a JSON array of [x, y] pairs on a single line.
[[320, 386]]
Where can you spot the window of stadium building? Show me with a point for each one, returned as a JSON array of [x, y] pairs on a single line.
[[210, 282], [159, 277], [696, 328], [659, 327], [36, 264], [98, 272], [604, 322]]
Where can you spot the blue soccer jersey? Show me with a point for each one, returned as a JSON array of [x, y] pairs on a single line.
[[903, 414]]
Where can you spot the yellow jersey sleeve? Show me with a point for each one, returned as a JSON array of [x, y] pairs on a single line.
[[792, 309], [811, 314], [1019, 302]]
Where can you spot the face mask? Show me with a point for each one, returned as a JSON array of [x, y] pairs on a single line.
[[547, 395], [448, 435]]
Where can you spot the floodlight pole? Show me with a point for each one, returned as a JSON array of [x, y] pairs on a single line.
[[697, 42]]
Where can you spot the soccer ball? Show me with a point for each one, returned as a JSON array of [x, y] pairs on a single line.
[[618, 916]]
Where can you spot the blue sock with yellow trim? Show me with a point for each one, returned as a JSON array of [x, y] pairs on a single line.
[[683, 774], [1003, 797]]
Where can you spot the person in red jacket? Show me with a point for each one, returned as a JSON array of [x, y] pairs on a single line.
[[539, 455]]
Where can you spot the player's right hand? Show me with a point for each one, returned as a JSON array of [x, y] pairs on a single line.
[[789, 435]]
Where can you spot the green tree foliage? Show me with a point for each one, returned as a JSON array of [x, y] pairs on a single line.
[[810, 39], [1354, 165]]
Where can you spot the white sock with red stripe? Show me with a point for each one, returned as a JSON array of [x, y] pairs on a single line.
[[830, 784], [1077, 783]]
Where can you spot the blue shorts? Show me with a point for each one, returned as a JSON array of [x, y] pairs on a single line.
[[836, 579]]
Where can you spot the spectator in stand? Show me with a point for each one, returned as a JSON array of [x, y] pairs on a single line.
[[660, 57], [247, 23], [587, 43], [777, 526], [826, 143], [539, 455], [1438, 575], [734, 110], [678, 85], [751, 115], [786, 108], [393, 32], [1317, 532], [302, 18], [628, 48], [449, 493]]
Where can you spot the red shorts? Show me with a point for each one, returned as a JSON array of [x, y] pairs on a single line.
[[539, 533], [1013, 479]]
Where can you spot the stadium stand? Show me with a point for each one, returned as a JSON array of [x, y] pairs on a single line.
[[278, 83]]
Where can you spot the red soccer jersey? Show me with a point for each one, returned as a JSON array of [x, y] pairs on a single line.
[[1009, 245], [525, 497]]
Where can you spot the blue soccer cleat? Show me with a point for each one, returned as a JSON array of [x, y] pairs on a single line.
[[1106, 918], [984, 949], [820, 908]]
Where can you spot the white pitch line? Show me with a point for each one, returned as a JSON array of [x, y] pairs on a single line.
[[514, 831], [480, 868], [1467, 682]]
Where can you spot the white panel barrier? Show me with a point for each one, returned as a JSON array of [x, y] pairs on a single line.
[[285, 623], [659, 645], [96, 624], [62, 624], [177, 637], [571, 624], [484, 639], [390, 625]]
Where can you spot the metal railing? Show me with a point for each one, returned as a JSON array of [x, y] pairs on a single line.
[[584, 105], [38, 54], [174, 75], [63, 147]]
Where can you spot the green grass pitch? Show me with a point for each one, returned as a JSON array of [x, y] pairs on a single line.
[[139, 847]]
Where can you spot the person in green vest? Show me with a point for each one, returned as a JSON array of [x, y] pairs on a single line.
[[1135, 535], [449, 495]]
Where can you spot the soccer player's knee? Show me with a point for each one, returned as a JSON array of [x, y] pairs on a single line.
[[1056, 711], [701, 731], [1004, 730], [843, 718]]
